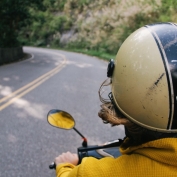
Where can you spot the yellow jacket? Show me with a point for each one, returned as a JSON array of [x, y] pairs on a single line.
[[156, 158]]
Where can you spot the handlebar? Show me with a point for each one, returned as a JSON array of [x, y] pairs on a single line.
[[107, 150], [52, 166]]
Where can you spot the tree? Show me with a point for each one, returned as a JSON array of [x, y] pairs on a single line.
[[15, 14]]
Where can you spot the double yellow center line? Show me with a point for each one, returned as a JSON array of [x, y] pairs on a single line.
[[12, 97]]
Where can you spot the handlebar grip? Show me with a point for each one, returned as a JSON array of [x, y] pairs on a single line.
[[52, 166]]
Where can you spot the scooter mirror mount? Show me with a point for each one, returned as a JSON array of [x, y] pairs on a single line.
[[63, 120]]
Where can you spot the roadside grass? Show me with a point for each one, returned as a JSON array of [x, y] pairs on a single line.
[[99, 54]]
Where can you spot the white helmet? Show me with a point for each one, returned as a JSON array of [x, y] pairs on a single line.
[[144, 79]]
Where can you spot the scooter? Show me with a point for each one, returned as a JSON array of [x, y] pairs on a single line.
[[64, 120]]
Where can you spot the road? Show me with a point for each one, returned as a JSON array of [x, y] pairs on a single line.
[[29, 89]]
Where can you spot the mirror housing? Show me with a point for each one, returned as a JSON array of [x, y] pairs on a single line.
[[60, 119]]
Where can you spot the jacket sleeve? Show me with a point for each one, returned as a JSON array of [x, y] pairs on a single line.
[[63, 170], [89, 167], [69, 170]]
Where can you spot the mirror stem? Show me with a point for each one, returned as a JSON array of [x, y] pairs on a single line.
[[84, 143]]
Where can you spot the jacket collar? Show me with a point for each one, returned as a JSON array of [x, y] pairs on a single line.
[[162, 150]]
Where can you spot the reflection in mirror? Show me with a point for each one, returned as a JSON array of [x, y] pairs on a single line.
[[60, 119]]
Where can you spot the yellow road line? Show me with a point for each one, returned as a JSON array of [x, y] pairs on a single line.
[[32, 85]]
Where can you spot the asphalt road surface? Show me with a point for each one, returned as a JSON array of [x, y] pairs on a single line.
[[49, 79]]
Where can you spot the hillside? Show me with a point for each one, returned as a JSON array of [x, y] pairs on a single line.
[[100, 25]]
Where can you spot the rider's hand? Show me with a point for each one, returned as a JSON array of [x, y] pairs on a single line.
[[67, 157]]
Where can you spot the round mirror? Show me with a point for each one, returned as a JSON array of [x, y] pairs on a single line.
[[60, 119]]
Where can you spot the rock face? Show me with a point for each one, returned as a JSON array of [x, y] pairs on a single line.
[[99, 24], [67, 37]]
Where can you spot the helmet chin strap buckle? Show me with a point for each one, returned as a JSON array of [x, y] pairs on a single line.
[[110, 68]]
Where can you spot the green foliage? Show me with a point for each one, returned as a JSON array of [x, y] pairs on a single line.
[[99, 54], [14, 14], [79, 3], [60, 23], [45, 28], [54, 5], [137, 21], [100, 26], [165, 12], [83, 2], [168, 10]]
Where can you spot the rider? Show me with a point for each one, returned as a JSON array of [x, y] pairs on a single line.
[[144, 100]]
